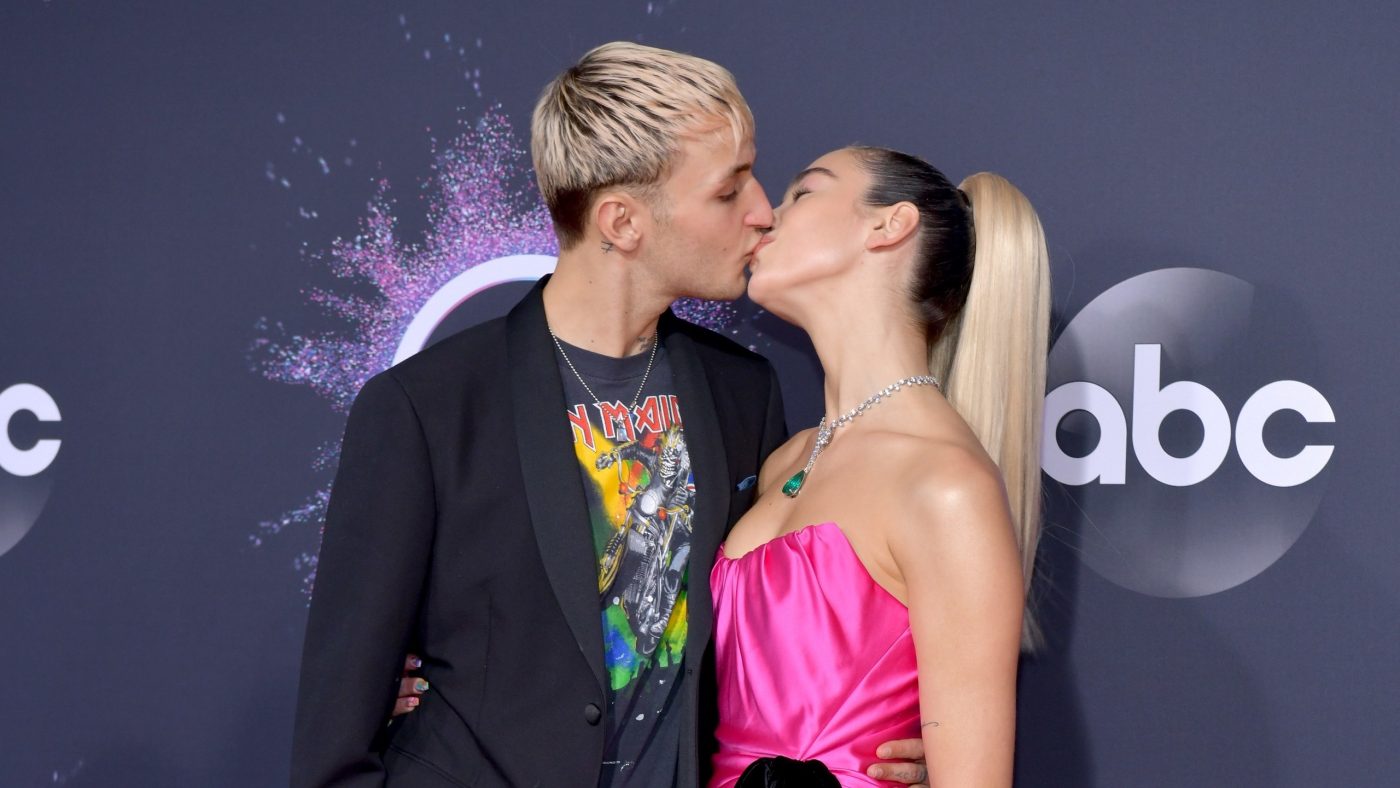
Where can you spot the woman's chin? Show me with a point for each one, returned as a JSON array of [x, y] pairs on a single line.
[[758, 289]]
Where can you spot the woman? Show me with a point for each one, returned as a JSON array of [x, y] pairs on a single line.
[[875, 591]]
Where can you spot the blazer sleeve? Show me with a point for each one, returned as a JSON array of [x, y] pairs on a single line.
[[775, 432], [374, 559]]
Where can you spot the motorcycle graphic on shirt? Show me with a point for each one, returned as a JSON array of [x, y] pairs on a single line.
[[642, 500]]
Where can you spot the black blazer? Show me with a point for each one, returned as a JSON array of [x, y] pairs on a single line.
[[458, 529]]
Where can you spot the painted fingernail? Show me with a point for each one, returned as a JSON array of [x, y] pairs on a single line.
[[420, 685], [416, 662], [412, 703]]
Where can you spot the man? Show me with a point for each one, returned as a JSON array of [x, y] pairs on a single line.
[[534, 504]]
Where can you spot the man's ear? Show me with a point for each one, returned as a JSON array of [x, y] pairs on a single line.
[[619, 217], [896, 223]]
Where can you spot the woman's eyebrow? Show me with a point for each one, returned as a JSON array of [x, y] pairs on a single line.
[[810, 171]]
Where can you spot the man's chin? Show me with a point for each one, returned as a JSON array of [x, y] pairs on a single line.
[[719, 291]]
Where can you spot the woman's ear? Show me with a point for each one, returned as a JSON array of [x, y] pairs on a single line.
[[897, 222], [618, 216]]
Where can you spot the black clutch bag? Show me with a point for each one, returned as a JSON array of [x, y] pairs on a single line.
[[780, 772]]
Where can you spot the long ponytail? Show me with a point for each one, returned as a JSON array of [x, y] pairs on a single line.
[[981, 290], [991, 355]]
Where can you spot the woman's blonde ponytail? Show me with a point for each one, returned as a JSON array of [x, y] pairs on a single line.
[[992, 354]]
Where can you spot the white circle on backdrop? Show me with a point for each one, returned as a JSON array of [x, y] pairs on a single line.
[[484, 276]]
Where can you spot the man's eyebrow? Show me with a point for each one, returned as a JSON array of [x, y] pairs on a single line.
[[734, 172], [810, 171]]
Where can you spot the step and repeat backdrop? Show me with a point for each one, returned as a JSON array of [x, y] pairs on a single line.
[[219, 219]]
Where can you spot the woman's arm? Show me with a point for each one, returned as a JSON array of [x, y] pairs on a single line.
[[959, 564]]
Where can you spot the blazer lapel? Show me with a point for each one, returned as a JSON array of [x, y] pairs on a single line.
[[707, 459], [553, 487]]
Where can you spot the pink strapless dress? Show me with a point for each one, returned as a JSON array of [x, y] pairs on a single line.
[[814, 659]]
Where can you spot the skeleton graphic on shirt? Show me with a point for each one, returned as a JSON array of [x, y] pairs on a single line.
[[658, 511]]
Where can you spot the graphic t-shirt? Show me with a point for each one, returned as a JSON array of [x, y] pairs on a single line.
[[641, 498]]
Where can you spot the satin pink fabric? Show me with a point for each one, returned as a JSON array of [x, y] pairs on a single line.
[[814, 659]]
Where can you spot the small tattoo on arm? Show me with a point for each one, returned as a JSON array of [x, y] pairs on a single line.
[[925, 725]]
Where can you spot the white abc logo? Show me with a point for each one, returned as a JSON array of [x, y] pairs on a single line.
[[24, 487], [37, 458], [1151, 386], [1152, 402]]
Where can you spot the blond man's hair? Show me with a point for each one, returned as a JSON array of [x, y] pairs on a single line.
[[617, 119]]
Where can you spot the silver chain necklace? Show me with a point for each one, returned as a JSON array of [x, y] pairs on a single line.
[[824, 432], [589, 389]]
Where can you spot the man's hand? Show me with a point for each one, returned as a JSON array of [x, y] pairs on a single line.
[[411, 687], [910, 768]]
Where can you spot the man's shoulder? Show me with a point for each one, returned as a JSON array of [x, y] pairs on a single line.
[[463, 362]]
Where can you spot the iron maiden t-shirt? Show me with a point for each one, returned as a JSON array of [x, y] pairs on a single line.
[[641, 499]]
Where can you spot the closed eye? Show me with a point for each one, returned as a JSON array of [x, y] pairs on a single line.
[[797, 194]]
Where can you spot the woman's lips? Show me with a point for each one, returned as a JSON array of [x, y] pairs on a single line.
[[762, 242]]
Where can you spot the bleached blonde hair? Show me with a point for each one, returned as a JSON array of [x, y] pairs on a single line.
[[617, 118]]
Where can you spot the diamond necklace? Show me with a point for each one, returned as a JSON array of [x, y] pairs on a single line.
[[824, 432], [587, 388]]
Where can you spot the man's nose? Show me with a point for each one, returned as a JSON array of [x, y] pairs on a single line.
[[760, 213]]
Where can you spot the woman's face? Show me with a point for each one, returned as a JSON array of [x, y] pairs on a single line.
[[818, 234]]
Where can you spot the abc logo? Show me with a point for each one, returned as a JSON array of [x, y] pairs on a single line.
[[1152, 403], [1150, 387], [24, 487]]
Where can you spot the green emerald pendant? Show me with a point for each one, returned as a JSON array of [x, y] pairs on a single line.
[[795, 483]]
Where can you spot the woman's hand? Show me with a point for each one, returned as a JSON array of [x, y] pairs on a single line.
[[908, 754], [411, 687]]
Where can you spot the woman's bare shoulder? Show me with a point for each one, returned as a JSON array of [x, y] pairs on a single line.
[[940, 488]]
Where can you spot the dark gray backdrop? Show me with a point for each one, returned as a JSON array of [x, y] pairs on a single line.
[[150, 627]]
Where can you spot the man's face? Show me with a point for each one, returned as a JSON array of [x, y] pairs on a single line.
[[714, 213]]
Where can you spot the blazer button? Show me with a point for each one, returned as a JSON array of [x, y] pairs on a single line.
[[592, 714]]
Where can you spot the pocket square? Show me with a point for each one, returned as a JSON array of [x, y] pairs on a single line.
[[748, 482]]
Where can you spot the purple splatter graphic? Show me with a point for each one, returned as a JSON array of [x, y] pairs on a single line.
[[714, 315], [481, 206]]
